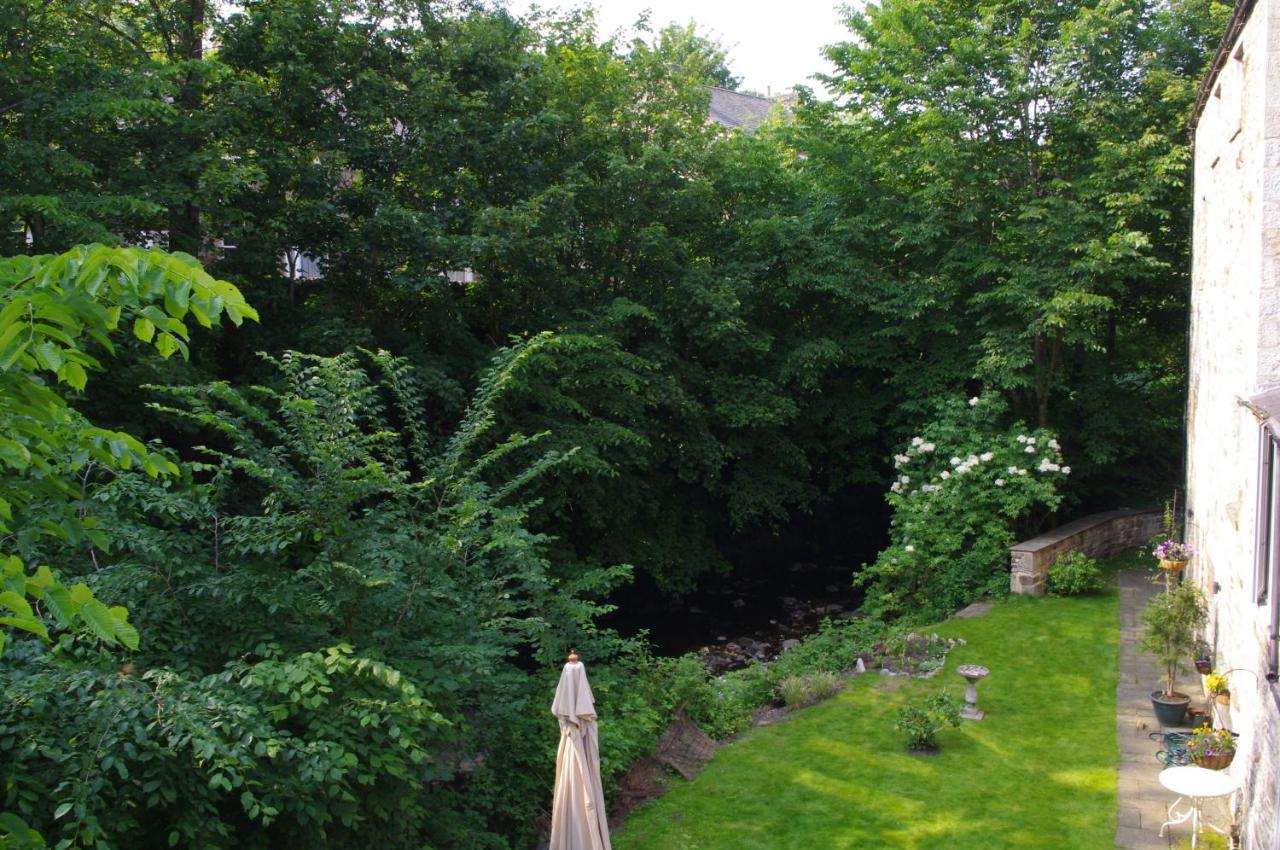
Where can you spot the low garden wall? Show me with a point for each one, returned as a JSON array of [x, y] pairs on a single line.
[[1097, 535]]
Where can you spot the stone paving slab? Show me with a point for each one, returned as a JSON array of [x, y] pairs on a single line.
[[1141, 800], [975, 609]]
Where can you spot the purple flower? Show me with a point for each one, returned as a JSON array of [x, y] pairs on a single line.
[[1173, 550]]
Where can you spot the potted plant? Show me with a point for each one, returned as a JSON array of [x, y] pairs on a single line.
[[1170, 622], [1216, 684], [1203, 662], [922, 720], [1173, 555], [1212, 748]]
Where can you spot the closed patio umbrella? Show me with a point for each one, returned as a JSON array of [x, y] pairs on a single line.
[[577, 809]]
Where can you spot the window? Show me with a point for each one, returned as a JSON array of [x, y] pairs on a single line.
[[1266, 575]]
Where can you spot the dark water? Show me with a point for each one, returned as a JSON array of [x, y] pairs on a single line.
[[781, 588], [734, 619]]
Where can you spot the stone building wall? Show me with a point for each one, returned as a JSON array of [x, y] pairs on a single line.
[[1097, 536], [1235, 353]]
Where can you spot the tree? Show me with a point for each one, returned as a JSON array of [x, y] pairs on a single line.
[[696, 56], [1019, 170], [52, 304]]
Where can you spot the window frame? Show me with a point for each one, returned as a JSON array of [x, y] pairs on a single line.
[[1267, 545]]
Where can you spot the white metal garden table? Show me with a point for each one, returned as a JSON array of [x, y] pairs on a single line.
[[1196, 784]]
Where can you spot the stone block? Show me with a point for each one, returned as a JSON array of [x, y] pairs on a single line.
[[1098, 535]]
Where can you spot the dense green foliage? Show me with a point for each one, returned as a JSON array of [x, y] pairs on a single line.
[[920, 720], [529, 325], [55, 306], [1019, 172], [1075, 574]]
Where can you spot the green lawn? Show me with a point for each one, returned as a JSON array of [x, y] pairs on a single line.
[[1039, 772]]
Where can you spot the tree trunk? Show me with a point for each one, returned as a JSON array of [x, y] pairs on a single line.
[[184, 217], [1046, 373]]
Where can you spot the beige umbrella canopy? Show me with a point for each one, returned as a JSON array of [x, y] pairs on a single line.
[[577, 810]]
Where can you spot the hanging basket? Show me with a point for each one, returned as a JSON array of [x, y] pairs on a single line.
[[1223, 699], [1214, 762], [1172, 566]]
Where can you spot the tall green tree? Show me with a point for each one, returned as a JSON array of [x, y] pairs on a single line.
[[1019, 171]]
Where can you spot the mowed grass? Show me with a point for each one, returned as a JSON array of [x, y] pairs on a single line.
[[1038, 772]]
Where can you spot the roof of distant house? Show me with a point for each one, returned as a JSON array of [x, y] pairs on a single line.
[[737, 109], [1239, 17]]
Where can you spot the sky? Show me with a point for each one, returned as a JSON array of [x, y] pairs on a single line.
[[772, 45]]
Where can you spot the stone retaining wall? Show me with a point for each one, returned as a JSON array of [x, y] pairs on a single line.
[[1097, 536]]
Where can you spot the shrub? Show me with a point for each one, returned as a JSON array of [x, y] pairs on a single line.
[[720, 706], [967, 485], [800, 691], [921, 720], [834, 648], [1075, 574]]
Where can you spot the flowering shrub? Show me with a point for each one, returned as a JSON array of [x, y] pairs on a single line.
[[1174, 550], [964, 486]]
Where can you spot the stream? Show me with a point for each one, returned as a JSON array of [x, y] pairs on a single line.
[[781, 588], [753, 615]]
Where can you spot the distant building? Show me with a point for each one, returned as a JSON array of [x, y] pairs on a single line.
[[1233, 401], [745, 111]]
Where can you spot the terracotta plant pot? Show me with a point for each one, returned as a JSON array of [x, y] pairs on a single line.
[[1222, 699], [1196, 717], [1172, 566]]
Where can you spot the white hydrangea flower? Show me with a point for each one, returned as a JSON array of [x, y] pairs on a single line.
[[1053, 444], [986, 456], [971, 460], [927, 447], [1066, 470], [1031, 441], [973, 402], [905, 479], [945, 475], [909, 548], [999, 482], [916, 441], [1013, 470], [962, 469], [1022, 438], [955, 461], [896, 487], [1031, 450], [1022, 471]]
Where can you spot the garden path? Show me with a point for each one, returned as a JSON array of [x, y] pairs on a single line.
[[1143, 802]]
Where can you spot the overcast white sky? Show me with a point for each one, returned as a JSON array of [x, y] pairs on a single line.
[[772, 45]]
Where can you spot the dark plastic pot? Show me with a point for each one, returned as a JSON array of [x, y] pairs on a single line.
[[1170, 710]]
